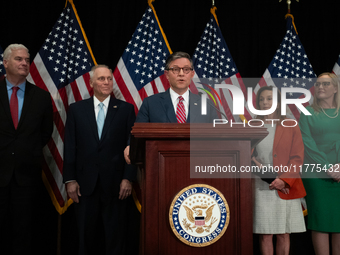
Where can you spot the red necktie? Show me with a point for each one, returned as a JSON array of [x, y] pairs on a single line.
[[180, 112], [13, 103]]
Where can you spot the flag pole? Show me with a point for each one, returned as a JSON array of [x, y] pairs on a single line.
[[289, 3], [213, 3]]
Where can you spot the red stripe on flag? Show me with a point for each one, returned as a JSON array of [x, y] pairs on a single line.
[[75, 90], [142, 93], [53, 185], [242, 86], [164, 81], [56, 155], [41, 84], [63, 96], [86, 78], [124, 89], [154, 87]]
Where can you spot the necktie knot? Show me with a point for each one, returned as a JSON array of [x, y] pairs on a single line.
[[101, 104], [15, 89], [180, 99]]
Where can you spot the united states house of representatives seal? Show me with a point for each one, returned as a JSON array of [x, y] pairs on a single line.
[[199, 215]]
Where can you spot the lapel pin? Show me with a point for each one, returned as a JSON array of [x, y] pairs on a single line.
[[115, 106], [195, 103]]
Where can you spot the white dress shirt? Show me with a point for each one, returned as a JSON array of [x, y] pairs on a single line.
[[96, 103], [174, 99]]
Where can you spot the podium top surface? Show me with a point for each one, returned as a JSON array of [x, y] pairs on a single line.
[[197, 131]]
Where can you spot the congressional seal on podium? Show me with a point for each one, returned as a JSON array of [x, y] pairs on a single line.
[[199, 215]]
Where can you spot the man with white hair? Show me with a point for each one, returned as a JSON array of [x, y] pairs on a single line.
[[97, 178], [26, 126]]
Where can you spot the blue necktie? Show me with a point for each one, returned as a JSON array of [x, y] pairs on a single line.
[[100, 119]]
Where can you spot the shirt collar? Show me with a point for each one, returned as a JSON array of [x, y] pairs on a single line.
[[21, 86], [105, 102], [174, 95]]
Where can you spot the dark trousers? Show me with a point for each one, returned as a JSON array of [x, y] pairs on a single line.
[[17, 219], [102, 215]]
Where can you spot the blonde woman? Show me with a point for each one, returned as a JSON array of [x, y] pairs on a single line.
[[321, 136]]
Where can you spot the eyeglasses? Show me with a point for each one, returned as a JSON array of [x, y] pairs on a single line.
[[176, 70], [324, 84]]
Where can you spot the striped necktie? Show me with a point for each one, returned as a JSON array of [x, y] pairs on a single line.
[[180, 112]]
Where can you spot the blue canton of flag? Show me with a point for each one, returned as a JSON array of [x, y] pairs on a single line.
[[290, 67], [62, 67], [336, 68], [65, 53], [213, 61], [212, 58], [2, 69], [140, 70]]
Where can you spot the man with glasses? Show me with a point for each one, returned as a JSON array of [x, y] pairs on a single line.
[[177, 104]]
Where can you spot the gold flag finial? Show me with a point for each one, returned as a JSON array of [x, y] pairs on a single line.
[[289, 2]]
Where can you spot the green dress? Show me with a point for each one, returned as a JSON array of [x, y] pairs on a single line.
[[321, 138]]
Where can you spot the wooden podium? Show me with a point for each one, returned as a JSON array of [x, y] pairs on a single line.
[[164, 152]]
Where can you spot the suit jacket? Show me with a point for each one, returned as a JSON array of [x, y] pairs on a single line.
[[86, 157], [158, 108], [21, 148], [288, 150]]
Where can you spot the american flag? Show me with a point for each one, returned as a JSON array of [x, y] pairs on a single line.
[[2, 68], [336, 68], [290, 67], [140, 70], [213, 61], [62, 67]]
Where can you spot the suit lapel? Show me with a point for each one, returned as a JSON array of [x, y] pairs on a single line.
[[111, 111], [168, 107], [89, 111], [4, 100], [194, 108], [29, 94]]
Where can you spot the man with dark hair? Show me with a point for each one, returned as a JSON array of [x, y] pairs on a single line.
[[177, 104], [26, 126], [97, 178]]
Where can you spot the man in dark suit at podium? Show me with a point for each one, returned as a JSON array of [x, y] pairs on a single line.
[[177, 104], [97, 178], [26, 125]]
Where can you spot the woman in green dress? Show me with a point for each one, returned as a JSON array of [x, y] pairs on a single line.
[[321, 169]]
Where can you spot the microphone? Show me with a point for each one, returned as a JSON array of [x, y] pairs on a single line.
[[200, 93]]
